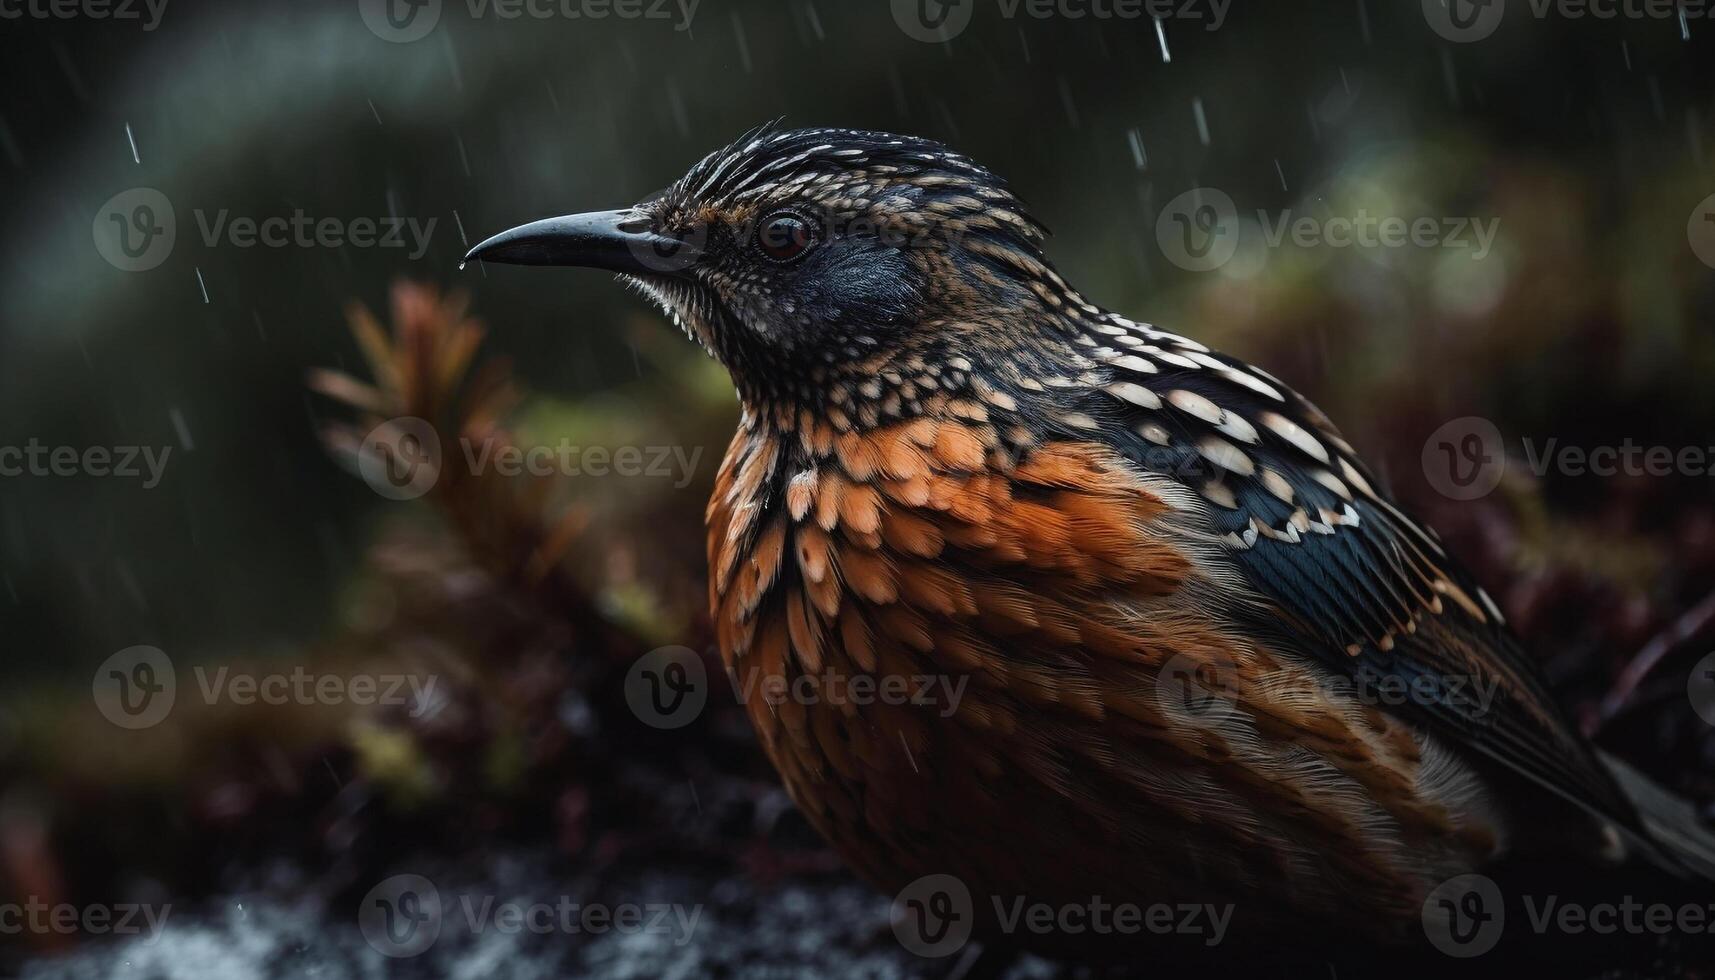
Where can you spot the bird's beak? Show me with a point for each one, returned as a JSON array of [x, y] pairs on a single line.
[[620, 241]]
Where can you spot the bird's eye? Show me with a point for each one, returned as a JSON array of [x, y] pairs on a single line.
[[785, 236]]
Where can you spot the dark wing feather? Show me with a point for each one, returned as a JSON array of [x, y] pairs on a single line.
[[1348, 578]]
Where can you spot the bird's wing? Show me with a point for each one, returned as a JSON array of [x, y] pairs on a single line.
[[1337, 568]]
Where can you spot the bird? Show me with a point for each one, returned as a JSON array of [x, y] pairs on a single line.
[[1202, 654]]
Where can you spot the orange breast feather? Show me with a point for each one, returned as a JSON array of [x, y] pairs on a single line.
[[1039, 592]]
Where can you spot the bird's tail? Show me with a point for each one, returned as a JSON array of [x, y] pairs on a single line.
[[1683, 845]]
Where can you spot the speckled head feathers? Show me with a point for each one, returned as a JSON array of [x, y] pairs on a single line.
[[834, 253]]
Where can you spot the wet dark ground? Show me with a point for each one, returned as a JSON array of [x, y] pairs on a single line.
[[285, 927]]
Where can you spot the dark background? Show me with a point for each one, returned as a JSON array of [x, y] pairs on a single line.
[[1591, 141]]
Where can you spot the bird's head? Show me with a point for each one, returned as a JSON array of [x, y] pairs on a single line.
[[814, 263]]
